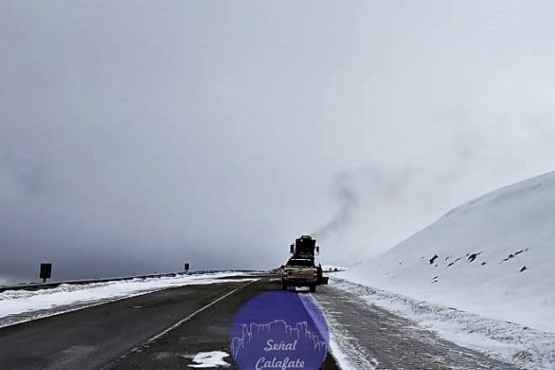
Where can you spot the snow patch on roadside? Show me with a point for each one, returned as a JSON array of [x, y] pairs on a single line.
[[19, 306], [506, 341]]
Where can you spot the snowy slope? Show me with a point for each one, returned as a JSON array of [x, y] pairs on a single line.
[[493, 256]]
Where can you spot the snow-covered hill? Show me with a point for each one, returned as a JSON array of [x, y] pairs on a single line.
[[494, 256]]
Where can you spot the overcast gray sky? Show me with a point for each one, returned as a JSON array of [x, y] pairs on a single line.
[[137, 135]]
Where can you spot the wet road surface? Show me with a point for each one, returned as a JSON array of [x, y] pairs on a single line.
[[166, 329]]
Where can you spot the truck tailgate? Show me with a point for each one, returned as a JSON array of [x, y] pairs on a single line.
[[299, 273]]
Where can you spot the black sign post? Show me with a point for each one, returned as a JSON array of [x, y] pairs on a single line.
[[45, 271], [186, 267]]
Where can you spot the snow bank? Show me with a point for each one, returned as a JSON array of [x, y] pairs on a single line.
[[493, 256], [67, 297], [505, 341]]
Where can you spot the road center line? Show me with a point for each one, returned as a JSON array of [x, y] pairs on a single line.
[[178, 324]]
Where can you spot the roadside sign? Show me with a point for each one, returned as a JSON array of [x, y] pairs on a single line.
[[45, 271]]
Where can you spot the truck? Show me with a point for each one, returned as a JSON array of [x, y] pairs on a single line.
[[300, 270]]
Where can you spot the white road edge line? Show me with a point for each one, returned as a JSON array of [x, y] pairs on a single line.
[[337, 349], [178, 324]]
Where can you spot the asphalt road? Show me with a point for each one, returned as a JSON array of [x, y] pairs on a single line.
[[373, 338], [166, 329], [161, 330]]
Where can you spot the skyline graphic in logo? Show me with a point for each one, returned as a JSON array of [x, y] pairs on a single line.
[[279, 330]]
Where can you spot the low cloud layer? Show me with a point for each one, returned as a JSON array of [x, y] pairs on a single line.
[[137, 137]]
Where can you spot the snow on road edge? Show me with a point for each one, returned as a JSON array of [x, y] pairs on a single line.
[[21, 306], [505, 341], [341, 347]]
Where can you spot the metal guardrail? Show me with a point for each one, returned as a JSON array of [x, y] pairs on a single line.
[[50, 285]]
